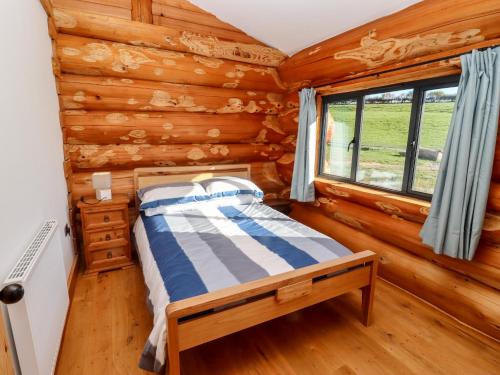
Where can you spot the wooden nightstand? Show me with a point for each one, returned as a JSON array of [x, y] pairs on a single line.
[[281, 205], [106, 234]]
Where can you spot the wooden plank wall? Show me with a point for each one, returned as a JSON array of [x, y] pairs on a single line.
[[396, 48], [161, 83]]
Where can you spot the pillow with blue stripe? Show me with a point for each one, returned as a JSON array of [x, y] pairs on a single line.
[[230, 191], [171, 198]]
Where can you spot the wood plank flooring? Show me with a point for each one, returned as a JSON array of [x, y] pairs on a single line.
[[109, 323], [6, 367]]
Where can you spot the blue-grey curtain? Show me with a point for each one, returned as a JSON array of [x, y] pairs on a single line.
[[456, 217], [303, 169]]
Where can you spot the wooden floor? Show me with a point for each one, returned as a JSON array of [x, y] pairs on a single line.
[[109, 323]]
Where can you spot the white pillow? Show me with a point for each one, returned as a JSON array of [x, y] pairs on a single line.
[[170, 198], [235, 200], [230, 191]]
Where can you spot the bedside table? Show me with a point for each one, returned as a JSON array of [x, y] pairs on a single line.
[[106, 234], [281, 205]]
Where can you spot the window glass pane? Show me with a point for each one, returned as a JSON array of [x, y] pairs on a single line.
[[434, 125], [384, 136], [337, 159]]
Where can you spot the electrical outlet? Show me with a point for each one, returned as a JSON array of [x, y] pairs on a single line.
[[67, 230]]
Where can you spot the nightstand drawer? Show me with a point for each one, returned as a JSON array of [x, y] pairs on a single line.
[[103, 219], [107, 235], [108, 255], [94, 246]]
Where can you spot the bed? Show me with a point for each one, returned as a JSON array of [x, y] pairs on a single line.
[[213, 271]]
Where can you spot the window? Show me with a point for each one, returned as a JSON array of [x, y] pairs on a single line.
[[390, 138], [338, 153]]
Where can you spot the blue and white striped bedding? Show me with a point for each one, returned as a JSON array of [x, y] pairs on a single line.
[[193, 252]]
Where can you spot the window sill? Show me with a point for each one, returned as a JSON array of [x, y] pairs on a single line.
[[410, 208]]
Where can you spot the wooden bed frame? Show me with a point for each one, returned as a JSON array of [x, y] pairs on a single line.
[[197, 320]]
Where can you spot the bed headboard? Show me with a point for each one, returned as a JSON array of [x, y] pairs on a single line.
[[144, 177]]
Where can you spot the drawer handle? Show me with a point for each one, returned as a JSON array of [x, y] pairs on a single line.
[[109, 254], [106, 218], [108, 237]]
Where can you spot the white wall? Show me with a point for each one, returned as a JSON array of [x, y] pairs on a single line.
[[32, 185]]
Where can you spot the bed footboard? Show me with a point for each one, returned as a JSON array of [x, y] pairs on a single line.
[[204, 318]]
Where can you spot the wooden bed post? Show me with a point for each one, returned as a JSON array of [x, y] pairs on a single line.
[[368, 293], [173, 347]]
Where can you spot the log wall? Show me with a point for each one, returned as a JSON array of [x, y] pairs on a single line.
[[116, 8], [186, 16], [161, 83], [399, 48], [424, 32], [470, 301]]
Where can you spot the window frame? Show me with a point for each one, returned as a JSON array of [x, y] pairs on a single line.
[[414, 127]]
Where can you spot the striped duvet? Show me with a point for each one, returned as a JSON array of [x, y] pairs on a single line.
[[198, 251]]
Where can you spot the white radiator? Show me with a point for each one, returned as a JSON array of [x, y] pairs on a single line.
[[37, 320]]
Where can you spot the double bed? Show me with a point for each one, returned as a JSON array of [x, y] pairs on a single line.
[[215, 270]]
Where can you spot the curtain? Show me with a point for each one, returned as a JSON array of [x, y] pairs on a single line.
[[302, 187], [456, 217]]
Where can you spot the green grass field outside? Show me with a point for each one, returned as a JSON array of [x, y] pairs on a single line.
[[384, 136]]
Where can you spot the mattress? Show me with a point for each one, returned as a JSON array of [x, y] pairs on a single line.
[[199, 251]]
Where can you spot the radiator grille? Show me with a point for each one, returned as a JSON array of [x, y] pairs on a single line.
[[37, 325], [32, 253]]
